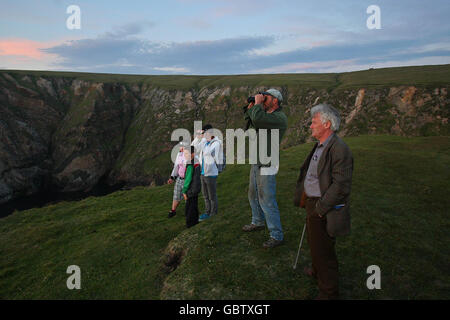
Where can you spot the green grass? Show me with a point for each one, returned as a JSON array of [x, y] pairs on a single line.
[[123, 242], [417, 75]]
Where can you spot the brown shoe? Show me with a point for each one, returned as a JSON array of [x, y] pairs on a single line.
[[272, 243], [309, 272], [252, 227]]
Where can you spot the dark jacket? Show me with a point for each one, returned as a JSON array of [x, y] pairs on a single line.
[[258, 118], [192, 184], [334, 170]]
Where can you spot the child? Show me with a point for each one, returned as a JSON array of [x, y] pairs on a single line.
[[177, 176], [191, 187]]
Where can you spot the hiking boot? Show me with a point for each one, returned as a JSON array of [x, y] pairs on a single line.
[[252, 227], [203, 217], [171, 214], [272, 243]]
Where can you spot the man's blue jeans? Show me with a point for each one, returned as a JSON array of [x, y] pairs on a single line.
[[261, 194]]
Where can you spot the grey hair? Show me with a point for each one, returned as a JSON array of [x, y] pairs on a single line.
[[327, 113]]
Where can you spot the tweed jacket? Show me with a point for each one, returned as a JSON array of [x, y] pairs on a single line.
[[334, 171]]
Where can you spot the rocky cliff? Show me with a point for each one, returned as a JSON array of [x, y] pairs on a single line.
[[67, 132]]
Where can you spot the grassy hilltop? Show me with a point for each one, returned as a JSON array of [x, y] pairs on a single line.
[[128, 249], [417, 75]]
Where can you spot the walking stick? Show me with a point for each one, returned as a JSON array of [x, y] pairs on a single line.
[[300, 246]]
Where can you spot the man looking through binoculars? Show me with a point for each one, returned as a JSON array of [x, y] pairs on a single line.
[[265, 113]]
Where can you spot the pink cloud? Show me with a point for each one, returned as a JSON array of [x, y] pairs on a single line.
[[20, 53], [26, 48], [21, 47]]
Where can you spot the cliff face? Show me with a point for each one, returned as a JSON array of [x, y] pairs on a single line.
[[66, 134]]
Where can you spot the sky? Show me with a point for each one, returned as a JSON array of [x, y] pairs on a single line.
[[207, 37]]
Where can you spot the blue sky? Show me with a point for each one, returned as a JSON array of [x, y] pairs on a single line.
[[222, 36]]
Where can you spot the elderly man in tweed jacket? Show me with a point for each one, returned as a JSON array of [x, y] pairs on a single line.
[[323, 188]]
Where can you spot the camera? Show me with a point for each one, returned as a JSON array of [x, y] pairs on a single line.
[[252, 98]]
